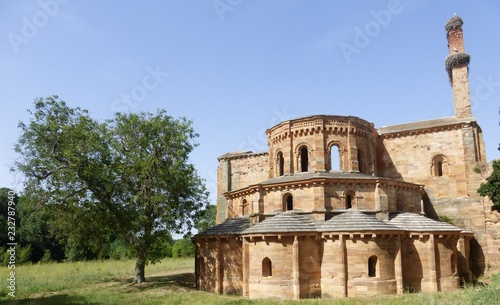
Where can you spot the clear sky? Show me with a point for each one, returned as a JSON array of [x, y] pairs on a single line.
[[238, 67]]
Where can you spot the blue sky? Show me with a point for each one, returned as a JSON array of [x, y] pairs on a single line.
[[237, 67]]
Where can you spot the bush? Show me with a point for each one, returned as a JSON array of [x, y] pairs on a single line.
[[119, 250], [22, 255], [183, 248], [47, 257]]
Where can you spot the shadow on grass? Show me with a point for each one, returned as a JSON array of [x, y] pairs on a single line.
[[62, 299], [172, 282]]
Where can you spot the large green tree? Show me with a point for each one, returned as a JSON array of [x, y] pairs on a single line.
[[206, 218], [491, 187], [129, 176]]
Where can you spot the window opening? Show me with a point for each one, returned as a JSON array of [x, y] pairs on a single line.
[[304, 159], [335, 158], [267, 267], [289, 203], [372, 266], [281, 164]]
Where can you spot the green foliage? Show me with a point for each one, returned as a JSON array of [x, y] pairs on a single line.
[[120, 250], [444, 218], [127, 177], [22, 255], [491, 187], [33, 218], [47, 257], [206, 219], [6, 196], [183, 248]]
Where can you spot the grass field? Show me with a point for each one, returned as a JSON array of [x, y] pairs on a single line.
[[172, 282]]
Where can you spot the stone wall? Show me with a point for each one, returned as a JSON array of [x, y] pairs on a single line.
[[352, 137], [235, 171], [280, 283]]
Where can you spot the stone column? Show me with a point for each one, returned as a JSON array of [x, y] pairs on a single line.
[[464, 251], [296, 272], [432, 264], [245, 259], [399, 266], [219, 272], [345, 271]]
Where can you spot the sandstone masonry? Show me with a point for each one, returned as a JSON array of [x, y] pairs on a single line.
[[337, 207]]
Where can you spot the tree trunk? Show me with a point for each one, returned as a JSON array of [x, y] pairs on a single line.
[[140, 264]]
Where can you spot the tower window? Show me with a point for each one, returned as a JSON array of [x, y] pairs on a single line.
[[400, 202], [335, 158], [439, 166], [244, 207], [349, 199], [304, 159], [281, 164], [267, 267], [360, 161], [288, 202]]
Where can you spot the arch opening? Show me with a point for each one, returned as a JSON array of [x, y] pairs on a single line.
[[267, 267], [304, 159]]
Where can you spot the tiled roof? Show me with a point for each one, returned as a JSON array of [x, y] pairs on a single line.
[[350, 221], [284, 223], [231, 226], [354, 220], [422, 125], [417, 223], [310, 175]]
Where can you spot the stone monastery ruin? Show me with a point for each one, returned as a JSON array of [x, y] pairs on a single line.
[[337, 208]]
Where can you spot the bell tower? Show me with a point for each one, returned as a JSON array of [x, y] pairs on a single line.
[[457, 66]]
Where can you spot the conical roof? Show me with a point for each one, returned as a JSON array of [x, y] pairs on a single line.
[[354, 220], [286, 222], [417, 223], [229, 227]]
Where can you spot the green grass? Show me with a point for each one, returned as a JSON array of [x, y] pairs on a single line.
[[172, 282]]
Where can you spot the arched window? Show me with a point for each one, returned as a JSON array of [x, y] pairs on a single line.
[[400, 202], [349, 199], [304, 159], [281, 164], [372, 266], [244, 207], [439, 166], [335, 158], [360, 160], [288, 202], [267, 267]]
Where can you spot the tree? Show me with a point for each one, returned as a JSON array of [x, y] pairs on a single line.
[[127, 177], [7, 198], [491, 187], [206, 218], [183, 248], [34, 231]]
